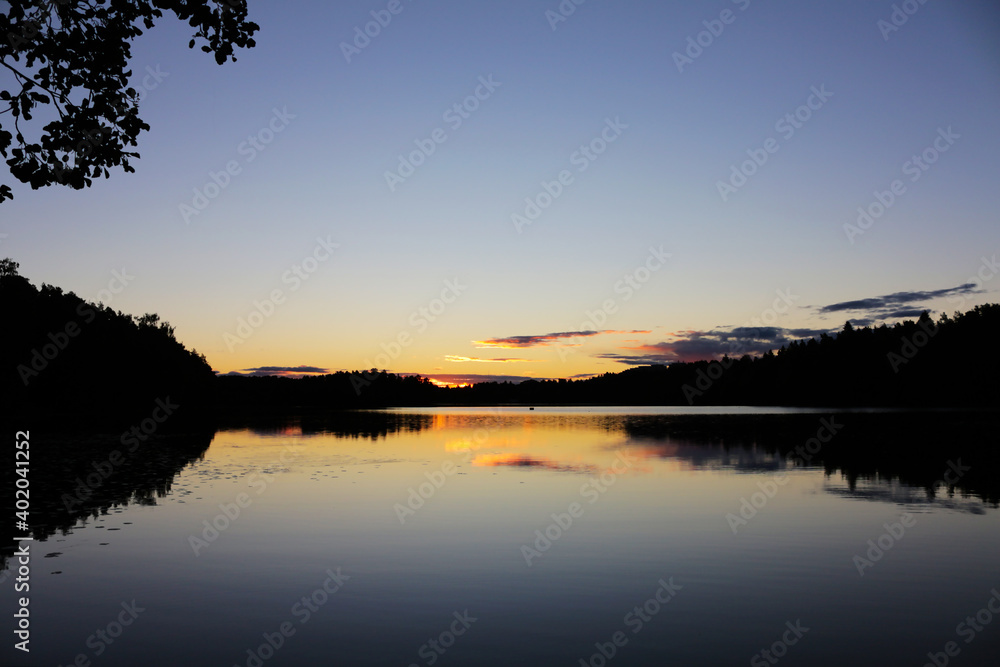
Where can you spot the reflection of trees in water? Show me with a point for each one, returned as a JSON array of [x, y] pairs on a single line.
[[79, 477], [76, 477], [875, 452], [342, 424], [899, 493], [885, 457]]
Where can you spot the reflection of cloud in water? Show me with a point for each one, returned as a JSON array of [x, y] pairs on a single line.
[[903, 494], [525, 461]]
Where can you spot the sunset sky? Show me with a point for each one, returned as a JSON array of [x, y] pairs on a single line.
[[496, 189]]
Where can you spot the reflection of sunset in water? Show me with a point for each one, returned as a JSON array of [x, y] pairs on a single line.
[[523, 460], [432, 513]]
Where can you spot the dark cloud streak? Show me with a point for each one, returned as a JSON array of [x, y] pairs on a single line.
[[888, 306]]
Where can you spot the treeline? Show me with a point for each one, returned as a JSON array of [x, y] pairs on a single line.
[[72, 360], [948, 362], [63, 356], [342, 390]]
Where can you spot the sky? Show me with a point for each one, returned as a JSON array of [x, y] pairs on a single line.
[[478, 190]]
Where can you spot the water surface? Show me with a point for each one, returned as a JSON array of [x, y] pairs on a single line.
[[544, 537]]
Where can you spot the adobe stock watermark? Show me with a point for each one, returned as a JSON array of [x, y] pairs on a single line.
[[894, 532], [696, 44], [417, 497], [581, 158], [248, 150], [988, 269], [94, 138], [786, 126], [454, 116], [878, 547], [915, 168], [779, 649], [899, 16], [59, 340], [626, 287], [592, 490], [419, 320], [294, 277], [151, 80], [562, 12], [130, 439], [704, 379], [230, 512], [363, 35], [968, 629], [302, 611], [119, 281], [911, 345], [433, 649], [102, 638], [804, 453], [635, 621]]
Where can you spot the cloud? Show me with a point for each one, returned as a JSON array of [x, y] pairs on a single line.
[[546, 339], [533, 341], [711, 344], [507, 360], [638, 359], [284, 371], [895, 305]]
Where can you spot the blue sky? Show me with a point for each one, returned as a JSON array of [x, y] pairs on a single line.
[[887, 97]]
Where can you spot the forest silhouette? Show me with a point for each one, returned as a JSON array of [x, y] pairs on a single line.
[[922, 363], [67, 357], [124, 405], [946, 363]]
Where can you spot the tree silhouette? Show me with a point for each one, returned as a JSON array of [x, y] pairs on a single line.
[[68, 352], [70, 358], [71, 58]]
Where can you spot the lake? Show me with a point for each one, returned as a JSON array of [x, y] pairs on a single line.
[[509, 536]]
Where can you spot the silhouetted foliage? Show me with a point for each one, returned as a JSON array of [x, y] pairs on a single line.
[[913, 363], [66, 357], [72, 59], [950, 362], [356, 389]]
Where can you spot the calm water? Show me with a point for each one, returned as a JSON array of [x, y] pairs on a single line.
[[509, 537]]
